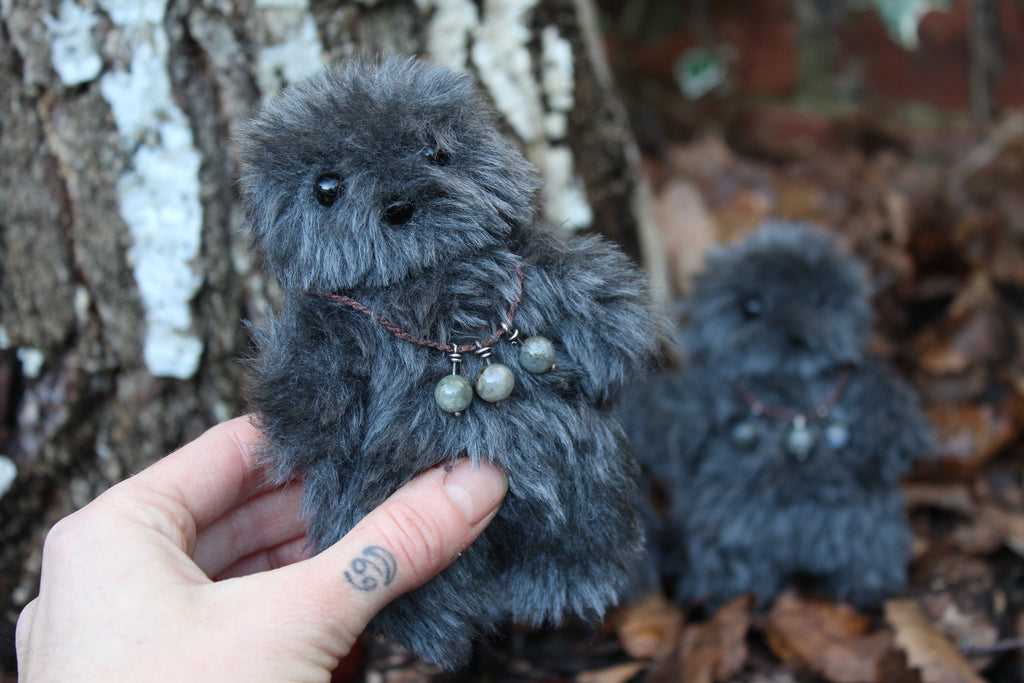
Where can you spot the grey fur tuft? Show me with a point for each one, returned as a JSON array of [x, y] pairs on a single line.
[[349, 407], [782, 312]]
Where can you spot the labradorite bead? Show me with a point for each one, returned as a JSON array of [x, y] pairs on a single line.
[[494, 383], [799, 442], [537, 355], [837, 434], [744, 434], [453, 393]]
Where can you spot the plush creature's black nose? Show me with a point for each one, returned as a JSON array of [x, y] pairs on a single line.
[[798, 341], [399, 212]]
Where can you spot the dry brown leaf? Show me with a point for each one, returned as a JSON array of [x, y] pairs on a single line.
[[970, 435], [899, 213], [977, 537], [926, 649], [742, 214], [974, 332], [716, 650], [1009, 525], [951, 497], [650, 628], [829, 638], [937, 355], [687, 229], [706, 157], [977, 294], [620, 673], [959, 596], [801, 199]]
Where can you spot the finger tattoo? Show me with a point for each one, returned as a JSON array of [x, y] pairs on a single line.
[[375, 567]]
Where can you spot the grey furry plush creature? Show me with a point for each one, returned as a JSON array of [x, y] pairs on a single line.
[[400, 224], [780, 440]]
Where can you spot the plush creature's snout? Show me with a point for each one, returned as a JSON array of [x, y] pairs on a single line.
[[399, 212]]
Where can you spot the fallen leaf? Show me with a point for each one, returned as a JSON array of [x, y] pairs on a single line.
[[741, 215], [830, 638], [687, 229], [941, 496], [1009, 525], [977, 537], [969, 435], [898, 211], [772, 677], [974, 333], [926, 649], [650, 628], [959, 596], [716, 649], [1003, 483], [706, 157], [801, 199], [620, 673]]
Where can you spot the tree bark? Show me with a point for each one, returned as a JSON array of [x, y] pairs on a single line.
[[124, 279]]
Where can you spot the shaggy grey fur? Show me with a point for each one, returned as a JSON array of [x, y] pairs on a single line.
[[781, 312], [422, 213]]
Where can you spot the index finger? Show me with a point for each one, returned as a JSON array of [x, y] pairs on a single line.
[[212, 474]]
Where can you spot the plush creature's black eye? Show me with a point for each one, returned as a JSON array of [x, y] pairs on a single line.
[[327, 188], [436, 155], [752, 306]]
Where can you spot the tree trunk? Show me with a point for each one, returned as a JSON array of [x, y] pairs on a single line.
[[124, 278]]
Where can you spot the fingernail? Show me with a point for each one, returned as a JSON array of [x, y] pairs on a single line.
[[475, 491]]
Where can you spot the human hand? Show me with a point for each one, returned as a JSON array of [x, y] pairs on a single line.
[[127, 593]]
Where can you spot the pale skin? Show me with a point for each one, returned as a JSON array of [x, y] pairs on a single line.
[[195, 570]]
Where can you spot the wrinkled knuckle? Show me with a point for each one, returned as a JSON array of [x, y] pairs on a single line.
[[415, 535]]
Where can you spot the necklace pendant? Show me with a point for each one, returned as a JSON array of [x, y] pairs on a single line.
[[495, 382], [837, 435], [453, 393], [537, 355], [744, 434], [799, 440]]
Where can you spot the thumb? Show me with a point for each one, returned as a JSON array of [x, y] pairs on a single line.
[[407, 540]]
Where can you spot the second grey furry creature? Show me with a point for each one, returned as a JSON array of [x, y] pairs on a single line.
[[389, 185], [782, 442]]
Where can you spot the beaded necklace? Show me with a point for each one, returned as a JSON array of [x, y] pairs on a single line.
[[799, 440], [495, 382]]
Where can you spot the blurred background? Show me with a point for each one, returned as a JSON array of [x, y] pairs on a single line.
[[666, 126]]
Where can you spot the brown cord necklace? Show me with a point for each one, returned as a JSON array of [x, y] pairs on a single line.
[[495, 381], [799, 440]]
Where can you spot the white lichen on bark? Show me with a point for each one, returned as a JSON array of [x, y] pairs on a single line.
[[159, 195], [498, 40], [502, 58], [449, 30], [290, 48], [72, 46], [8, 473], [566, 198], [32, 360]]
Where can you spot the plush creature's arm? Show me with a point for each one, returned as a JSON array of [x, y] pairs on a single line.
[[891, 427], [305, 395], [598, 300], [667, 419]]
